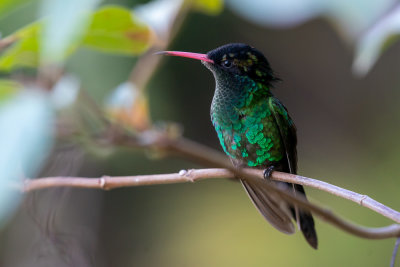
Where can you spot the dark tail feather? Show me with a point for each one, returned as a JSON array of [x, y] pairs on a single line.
[[276, 211], [271, 206], [308, 229], [307, 222]]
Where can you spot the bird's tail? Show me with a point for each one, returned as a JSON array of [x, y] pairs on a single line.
[[279, 213], [308, 228], [307, 225]]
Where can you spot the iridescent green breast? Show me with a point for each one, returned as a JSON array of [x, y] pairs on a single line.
[[246, 127]]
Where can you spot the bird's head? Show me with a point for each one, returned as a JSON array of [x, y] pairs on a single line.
[[234, 59]]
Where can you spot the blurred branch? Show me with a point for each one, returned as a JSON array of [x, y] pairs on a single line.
[[5, 42], [141, 75], [148, 63]]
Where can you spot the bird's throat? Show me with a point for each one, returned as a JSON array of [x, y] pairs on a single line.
[[232, 93]]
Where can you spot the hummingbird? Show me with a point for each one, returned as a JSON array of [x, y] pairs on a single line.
[[255, 129]]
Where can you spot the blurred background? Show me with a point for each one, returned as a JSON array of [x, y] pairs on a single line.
[[338, 62]]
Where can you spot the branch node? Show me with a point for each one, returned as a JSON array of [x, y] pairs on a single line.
[[187, 174], [190, 176], [363, 197], [103, 182], [183, 172]]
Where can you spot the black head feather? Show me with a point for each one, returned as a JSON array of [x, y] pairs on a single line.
[[244, 60]]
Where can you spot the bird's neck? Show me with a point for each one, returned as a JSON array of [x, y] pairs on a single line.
[[232, 93]]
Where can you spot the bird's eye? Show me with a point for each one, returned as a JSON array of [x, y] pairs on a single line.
[[227, 63]]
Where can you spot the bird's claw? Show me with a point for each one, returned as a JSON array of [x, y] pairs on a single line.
[[268, 172]]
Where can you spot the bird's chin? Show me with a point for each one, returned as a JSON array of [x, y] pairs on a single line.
[[209, 65]]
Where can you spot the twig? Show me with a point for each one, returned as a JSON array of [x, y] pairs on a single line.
[[198, 152], [362, 200], [140, 75], [210, 157], [107, 182], [395, 250]]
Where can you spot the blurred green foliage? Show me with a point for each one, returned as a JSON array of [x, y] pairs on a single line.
[[347, 130], [6, 5], [25, 52], [211, 7], [111, 29], [116, 30]]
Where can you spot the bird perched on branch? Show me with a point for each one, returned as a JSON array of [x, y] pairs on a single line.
[[255, 129]]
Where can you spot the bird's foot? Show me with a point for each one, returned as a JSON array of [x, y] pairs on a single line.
[[268, 172]]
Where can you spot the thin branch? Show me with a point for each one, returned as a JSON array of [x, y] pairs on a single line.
[[362, 200], [210, 157], [141, 75], [112, 182], [107, 182], [196, 152]]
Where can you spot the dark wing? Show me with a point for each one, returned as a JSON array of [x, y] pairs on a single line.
[[272, 207], [288, 135], [287, 131], [289, 139]]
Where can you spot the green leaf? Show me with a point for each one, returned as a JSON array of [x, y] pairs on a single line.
[[116, 30], [210, 7], [24, 52], [381, 36], [26, 124], [112, 29]]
